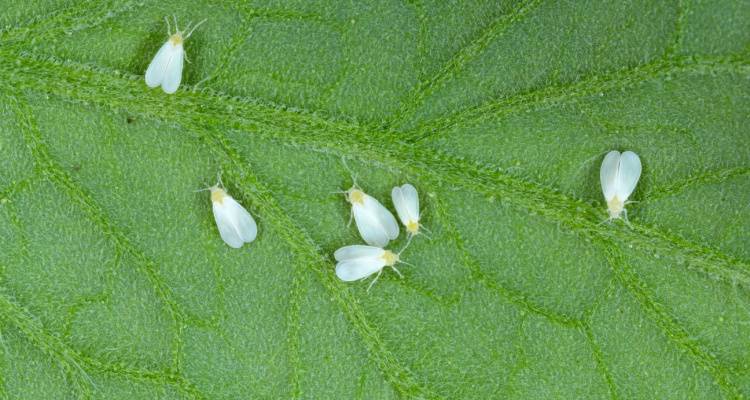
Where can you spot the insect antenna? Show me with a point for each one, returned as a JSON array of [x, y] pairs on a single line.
[[374, 280], [351, 173], [625, 218], [218, 179], [176, 29], [423, 228], [194, 28], [408, 242]]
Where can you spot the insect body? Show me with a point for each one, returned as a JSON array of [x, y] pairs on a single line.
[[236, 225], [375, 223], [406, 201], [619, 174], [359, 262], [166, 67]]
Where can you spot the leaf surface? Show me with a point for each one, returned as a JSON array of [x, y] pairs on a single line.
[[114, 282]]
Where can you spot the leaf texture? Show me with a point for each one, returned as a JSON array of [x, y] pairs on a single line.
[[114, 282]]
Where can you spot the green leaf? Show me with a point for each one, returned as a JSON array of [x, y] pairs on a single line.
[[115, 284]]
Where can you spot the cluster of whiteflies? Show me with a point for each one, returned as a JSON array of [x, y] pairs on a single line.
[[619, 175], [377, 226], [375, 223]]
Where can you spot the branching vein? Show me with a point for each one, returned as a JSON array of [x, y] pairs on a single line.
[[568, 92], [213, 113], [467, 53], [380, 148]]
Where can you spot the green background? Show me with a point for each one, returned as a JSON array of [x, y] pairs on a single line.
[[114, 282]]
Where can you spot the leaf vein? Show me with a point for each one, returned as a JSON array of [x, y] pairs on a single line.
[[379, 148], [56, 175], [52, 346], [396, 374], [588, 86], [461, 58], [514, 297], [704, 178], [596, 351], [669, 325], [677, 37], [83, 15]]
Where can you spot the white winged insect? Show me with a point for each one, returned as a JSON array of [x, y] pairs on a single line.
[[236, 225], [360, 261], [166, 67], [375, 223], [619, 175], [406, 201]]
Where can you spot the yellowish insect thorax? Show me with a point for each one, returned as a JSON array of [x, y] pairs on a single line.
[[217, 195], [355, 196], [390, 258], [615, 207], [176, 39], [412, 227]]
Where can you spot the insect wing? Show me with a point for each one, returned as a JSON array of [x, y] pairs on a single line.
[[357, 251], [628, 174], [358, 268], [173, 74], [608, 174], [369, 226], [406, 201], [236, 225], [385, 217], [158, 67]]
